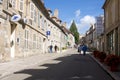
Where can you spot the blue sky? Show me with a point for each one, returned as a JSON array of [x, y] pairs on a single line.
[[82, 11]]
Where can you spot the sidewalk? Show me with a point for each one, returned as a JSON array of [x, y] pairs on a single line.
[[23, 63], [114, 75]]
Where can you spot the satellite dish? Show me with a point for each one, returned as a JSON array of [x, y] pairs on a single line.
[[15, 18]]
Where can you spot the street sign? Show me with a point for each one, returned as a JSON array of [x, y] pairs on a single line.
[[48, 32], [15, 18]]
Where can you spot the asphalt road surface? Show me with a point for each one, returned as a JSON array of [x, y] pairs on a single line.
[[71, 67]]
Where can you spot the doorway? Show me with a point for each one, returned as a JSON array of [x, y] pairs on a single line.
[[12, 40]]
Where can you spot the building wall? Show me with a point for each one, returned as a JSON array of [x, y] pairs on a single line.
[[28, 35], [112, 25], [4, 40], [99, 25], [71, 40]]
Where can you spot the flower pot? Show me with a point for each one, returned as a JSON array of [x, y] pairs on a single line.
[[101, 60], [113, 68]]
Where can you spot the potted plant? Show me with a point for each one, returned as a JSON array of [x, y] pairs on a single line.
[[101, 56], [112, 61], [95, 53]]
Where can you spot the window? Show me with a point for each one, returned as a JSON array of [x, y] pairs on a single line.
[[32, 10], [35, 15], [1, 1], [26, 38], [110, 41], [13, 3], [45, 24], [38, 19], [37, 42], [21, 5], [34, 41], [42, 23], [40, 43]]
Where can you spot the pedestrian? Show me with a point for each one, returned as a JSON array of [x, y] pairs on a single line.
[[51, 48], [55, 48], [84, 49], [79, 48]]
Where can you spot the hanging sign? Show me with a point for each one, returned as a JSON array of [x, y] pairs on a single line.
[[15, 18]]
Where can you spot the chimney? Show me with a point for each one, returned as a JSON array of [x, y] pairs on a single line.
[[42, 1], [64, 24], [56, 13]]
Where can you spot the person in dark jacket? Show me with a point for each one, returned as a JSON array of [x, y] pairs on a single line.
[[84, 49], [51, 48], [55, 48]]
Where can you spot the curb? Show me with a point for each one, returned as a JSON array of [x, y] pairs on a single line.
[[114, 77]]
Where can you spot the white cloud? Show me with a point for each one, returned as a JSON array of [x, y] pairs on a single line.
[[77, 13], [85, 22]]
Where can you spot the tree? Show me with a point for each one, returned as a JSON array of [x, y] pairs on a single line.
[[74, 31]]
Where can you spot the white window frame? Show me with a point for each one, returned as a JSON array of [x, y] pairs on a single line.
[[45, 25], [32, 9], [1, 1], [38, 19], [41, 20], [26, 39], [40, 43], [21, 5], [13, 3], [42, 23], [35, 15], [34, 41]]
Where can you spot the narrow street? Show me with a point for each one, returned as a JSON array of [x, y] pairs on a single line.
[[70, 67], [41, 40]]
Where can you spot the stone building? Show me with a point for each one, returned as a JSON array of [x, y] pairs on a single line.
[[26, 28], [99, 30], [69, 39], [89, 37], [112, 26]]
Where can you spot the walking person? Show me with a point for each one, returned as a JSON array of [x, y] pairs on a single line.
[[51, 48], [55, 48], [80, 48], [84, 49]]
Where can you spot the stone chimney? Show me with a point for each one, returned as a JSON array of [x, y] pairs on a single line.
[[50, 12], [56, 13], [64, 24]]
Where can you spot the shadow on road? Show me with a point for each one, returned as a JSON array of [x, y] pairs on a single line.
[[70, 67], [63, 68]]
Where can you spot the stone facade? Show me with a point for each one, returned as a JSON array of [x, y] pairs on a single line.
[[27, 36], [89, 37], [112, 26]]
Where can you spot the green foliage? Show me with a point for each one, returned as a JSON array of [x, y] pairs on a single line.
[[74, 31]]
